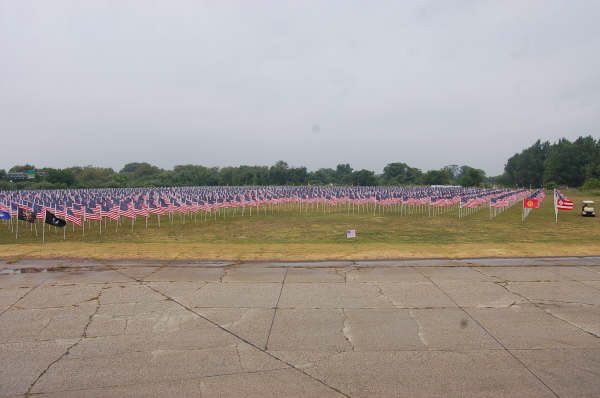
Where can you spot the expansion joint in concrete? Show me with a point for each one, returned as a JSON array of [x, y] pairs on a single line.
[[509, 352]]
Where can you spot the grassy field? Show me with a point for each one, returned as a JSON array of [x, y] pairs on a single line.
[[287, 235]]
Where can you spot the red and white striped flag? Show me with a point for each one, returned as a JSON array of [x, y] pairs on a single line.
[[561, 202]]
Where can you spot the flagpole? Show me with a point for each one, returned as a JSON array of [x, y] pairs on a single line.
[[44, 227], [555, 208]]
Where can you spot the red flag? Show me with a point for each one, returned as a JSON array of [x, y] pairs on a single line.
[[531, 204]]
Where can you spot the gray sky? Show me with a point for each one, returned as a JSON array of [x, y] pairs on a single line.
[[315, 83]]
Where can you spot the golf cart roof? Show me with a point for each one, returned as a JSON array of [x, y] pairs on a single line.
[[588, 202]]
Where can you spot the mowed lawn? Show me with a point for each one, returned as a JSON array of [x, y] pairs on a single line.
[[286, 234]]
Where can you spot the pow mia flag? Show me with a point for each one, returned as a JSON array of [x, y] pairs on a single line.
[[53, 220], [26, 215]]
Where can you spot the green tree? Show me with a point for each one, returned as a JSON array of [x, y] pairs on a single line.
[[364, 178], [298, 176], [591, 183], [470, 177], [400, 173], [191, 175], [58, 176], [279, 173], [527, 168], [322, 177], [92, 177], [566, 161], [343, 174], [21, 168], [436, 177]]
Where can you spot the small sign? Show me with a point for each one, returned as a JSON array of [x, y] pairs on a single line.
[[351, 233], [31, 174]]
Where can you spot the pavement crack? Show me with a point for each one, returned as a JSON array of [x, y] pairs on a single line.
[[223, 274], [382, 294], [64, 354], [583, 329], [343, 272], [14, 305], [239, 357], [239, 320], [46, 325], [275, 311], [237, 336], [547, 311], [474, 268], [346, 330], [156, 270], [509, 352], [420, 333]]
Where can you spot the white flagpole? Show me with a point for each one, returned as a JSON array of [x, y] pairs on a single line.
[[555, 208], [44, 226]]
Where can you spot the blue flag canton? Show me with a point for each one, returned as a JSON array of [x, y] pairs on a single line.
[[4, 215]]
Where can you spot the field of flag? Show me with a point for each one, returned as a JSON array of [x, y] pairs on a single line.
[[86, 205], [292, 222]]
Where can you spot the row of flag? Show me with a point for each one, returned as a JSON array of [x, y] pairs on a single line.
[[561, 202], [533, 201], [95, 204], [29, 216]]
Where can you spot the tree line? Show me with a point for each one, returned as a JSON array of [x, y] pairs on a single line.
[[575, 164], [546, 164], [146, 175]]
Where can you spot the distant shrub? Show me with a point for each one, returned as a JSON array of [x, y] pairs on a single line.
[[591, 183]]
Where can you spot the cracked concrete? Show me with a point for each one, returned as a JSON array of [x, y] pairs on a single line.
[[483, 327]]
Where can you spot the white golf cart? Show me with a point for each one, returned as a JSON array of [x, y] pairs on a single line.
[[587, 210]]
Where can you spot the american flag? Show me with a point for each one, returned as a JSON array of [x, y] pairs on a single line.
[[95, 204]]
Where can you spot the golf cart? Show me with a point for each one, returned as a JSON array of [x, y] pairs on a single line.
[[587, 210]]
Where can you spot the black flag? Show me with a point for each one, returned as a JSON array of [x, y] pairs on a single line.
[[26, 215], [53, 220]]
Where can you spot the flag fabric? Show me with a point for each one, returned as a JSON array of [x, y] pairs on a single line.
[[26, 215], [72, 218], [53, 220], [561, 202], [564, 204], [351, 233], [4, 215], [96, 204], [531, 204]]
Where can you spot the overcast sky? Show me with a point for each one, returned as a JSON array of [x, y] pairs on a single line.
[[315, 83]]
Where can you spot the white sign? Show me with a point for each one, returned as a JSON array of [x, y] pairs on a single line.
[[351, 233]]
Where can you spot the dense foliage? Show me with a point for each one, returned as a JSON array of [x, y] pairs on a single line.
[[147, 175], [569, 163], [574, 163]]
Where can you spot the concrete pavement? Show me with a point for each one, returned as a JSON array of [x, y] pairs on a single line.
[[419, 328]]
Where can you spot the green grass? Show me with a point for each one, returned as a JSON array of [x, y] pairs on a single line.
[[285, 234]]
